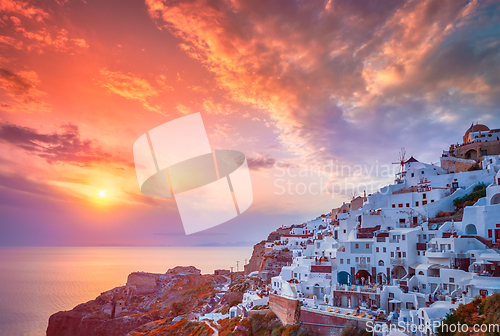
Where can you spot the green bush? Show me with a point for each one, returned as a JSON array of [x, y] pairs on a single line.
[[478, 192], [475, 166]]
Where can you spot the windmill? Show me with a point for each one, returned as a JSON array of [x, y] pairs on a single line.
[[401, 162]]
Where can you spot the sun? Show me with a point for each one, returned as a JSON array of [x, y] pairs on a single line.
[[102, 194]]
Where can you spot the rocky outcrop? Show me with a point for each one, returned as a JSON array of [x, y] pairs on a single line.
[[76, 323], [256, 259], [270, 261], [141, 281], [121, 310], [184, 270]]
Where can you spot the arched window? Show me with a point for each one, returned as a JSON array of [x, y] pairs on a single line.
[[421, 273], [495, 199], [381, 263], [470, 229]]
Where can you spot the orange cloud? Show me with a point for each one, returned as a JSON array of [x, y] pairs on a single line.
[[130, 87], [325, 70], [210, 106], [32, 29], [23, 8], [21, 87]]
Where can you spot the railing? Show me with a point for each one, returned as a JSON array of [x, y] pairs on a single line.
[[363, 265], [397, 262]]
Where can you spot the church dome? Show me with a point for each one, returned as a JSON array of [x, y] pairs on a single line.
[[477, 128]]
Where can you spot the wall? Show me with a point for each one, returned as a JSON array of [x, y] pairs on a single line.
[[492, 148], [287, 310], [323, 323], [142, 281], [456, 165]]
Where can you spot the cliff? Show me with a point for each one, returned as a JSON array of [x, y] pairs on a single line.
[[256, 259], [272, 260], [145, 299]]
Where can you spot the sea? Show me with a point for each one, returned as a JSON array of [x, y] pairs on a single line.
[[36, 282]]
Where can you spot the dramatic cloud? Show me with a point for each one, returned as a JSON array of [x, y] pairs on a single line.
[[27, 27], [63, 147], [21, 87], [327, 71], [130, 87], [23, 8], [261, 162]]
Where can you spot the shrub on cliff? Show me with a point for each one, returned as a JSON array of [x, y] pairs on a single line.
[[480, 311], [478, 192]]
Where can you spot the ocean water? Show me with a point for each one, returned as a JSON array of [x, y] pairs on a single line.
[[36, 282]]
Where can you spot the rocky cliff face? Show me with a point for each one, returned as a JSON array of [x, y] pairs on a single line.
[[173, 294], [256, 259], [271, 261]]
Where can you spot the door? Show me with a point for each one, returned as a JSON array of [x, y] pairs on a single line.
[[497, 235], [344, 301]]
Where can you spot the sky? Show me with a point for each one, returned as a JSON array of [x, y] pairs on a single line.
[[300, 87]]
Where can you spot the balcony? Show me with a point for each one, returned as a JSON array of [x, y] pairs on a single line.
[[438, 254], [397, 262], [363, 265]]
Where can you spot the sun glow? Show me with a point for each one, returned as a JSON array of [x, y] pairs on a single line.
[[102, 194]]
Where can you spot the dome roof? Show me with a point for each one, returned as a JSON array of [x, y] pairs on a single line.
[[477, 128]]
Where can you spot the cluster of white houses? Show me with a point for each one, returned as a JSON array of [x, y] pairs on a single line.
[[382, 252]]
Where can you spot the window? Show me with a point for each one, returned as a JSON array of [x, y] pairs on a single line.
[[423, 286], [432, 201], [368, 259], [422, 172], [381, 263], [402, 221], [394, 205], [385, 250], [403, 237], [416, 203], [392, 254], [421, 273], [400, 205], [424, 196], [344, 231], [483, 292], [484, 152], [356, 246], [424, 202], [412, 174], [377, 249], [445, 286], [449, 247], [425, 236], [404, 254], [367, 246], [452, 280], [348, 261], [357, 259], [418, 252], [407, 205], [294, 275], [391, 295], [490, 234]]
